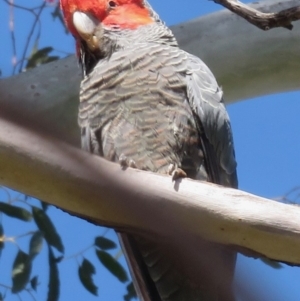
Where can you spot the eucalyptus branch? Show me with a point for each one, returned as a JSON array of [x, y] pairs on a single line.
[[264, 21]]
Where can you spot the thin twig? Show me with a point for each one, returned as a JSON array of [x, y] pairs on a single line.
[[37, 19], [32, 10], [31, 294], [78, 253], [12, 33], [9, 2], [264, 21]]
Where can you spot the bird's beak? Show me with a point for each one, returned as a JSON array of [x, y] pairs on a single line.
[[86, 26]]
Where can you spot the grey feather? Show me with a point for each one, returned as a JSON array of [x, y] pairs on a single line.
[[206, 99], [158, 105]]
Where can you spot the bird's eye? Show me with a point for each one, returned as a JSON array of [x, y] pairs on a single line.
[[112, 4]]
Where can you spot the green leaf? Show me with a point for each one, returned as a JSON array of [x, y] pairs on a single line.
[[50, 59], [104, 243], [273, 264], [39, 57], [112, 265], [41, 52], [54, 283], [86, 271], [46, 226], [1, 239], [131, 293], [44, 205], [36, 243], [59, 259], [34, 282], [57, 14], [21, 272], [16, 212]]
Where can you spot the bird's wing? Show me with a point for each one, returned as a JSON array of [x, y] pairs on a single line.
[[206, 100]]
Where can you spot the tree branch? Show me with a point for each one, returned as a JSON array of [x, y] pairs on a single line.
[[49, 169], [264, 21], [138, 201], [234, 50]]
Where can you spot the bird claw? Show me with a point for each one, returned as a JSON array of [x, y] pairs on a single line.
[[176, 172], [125, 162]]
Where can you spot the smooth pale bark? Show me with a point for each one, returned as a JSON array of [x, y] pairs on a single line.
[[246, 61], [143, 202]]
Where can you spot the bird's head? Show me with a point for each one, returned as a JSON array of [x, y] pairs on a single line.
[[102, 26], [122, 14]]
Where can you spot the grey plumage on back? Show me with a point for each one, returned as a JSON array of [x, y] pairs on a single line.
[[159, 106]]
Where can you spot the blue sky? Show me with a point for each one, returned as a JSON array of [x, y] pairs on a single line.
[[267, 147]]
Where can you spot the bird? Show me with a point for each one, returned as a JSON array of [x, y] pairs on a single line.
[[147, 104]]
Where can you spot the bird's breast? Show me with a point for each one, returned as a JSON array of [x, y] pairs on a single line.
[[138, 108]]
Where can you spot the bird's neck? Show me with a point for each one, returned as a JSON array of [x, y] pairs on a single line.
[[150, 33]]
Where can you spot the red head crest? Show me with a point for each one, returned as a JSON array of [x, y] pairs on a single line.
[[126, 14]]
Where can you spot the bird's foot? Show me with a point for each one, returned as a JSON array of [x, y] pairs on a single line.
[[125, 162], [176, 172]]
